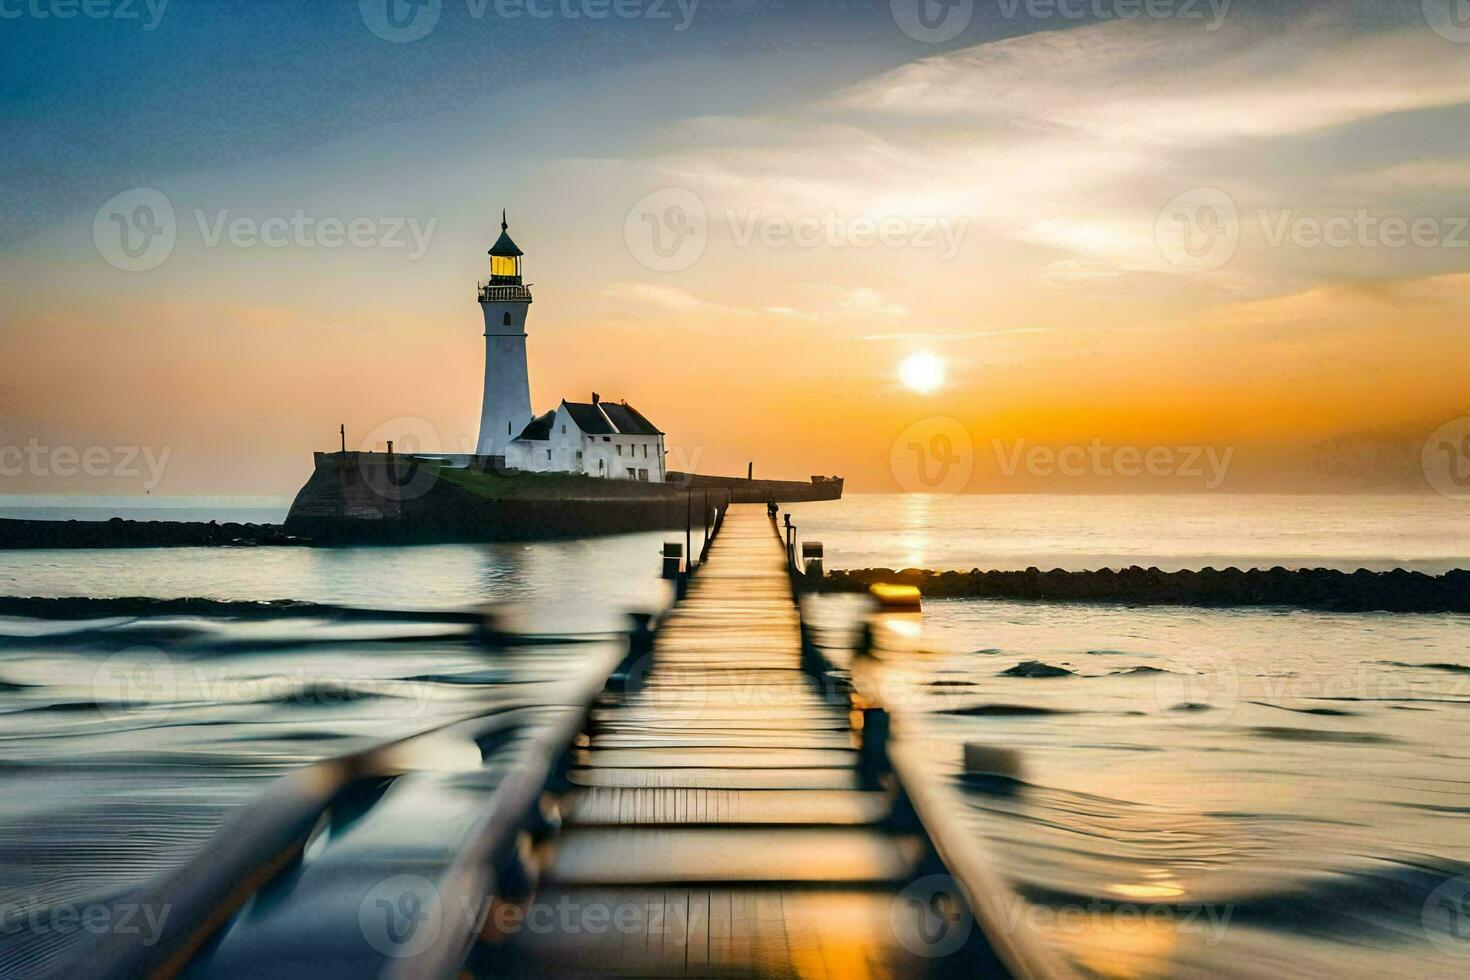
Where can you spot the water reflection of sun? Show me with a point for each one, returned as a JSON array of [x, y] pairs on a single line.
[[918, 515]]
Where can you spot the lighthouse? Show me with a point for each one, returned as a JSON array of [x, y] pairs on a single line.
[[505, 300]]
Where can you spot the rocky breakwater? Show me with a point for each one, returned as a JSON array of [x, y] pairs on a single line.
[[1308, 588], [119, 533]]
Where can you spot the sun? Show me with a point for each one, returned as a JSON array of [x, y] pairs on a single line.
[[922, 372]]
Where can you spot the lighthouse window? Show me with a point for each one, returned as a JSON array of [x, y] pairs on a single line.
[[505, 319]]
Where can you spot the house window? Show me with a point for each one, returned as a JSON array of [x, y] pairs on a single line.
[[579, 459], [601, 464], [645, 450], [548, 455], [607, 438], [620, 449], [643, 475], [564, 428]]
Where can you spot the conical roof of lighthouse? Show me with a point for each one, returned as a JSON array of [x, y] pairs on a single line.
[[503, 245]]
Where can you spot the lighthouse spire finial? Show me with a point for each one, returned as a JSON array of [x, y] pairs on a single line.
[[503, 225]]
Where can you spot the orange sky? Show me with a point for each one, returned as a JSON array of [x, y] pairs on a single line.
[[1059, 316]]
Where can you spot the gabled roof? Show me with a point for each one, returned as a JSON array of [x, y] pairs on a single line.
[[539, 428], [629, 420], [610, 418], [588, 418]]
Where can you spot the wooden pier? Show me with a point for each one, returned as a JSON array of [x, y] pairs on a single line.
[[722, 805], [719, 803]]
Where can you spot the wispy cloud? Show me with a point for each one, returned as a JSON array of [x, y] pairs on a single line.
[[1073, 140]]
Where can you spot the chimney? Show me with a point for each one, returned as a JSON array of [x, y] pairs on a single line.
[[596, 398]]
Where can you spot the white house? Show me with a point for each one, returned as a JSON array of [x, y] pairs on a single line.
[[596, 438]]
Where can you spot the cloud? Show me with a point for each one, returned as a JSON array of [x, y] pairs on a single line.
[[1071, 142]]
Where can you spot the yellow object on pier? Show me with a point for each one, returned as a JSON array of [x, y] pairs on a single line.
[[896, 596]]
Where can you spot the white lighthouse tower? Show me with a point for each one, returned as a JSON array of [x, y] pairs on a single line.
[[506, 409]]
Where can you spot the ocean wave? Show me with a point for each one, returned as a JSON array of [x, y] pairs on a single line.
[[1330, 712], [1035, 668], [1286, 734], [1452, 668], [1384, 900], [1006, 711]]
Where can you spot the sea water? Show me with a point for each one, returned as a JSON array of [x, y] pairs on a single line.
[[1253, 791]]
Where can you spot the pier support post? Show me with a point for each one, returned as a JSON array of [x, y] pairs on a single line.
[[873, 756], [673, 559]]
